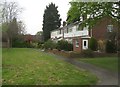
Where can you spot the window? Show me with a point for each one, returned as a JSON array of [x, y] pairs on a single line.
[[59, 32], [69, 30], [85, 28], [79, 27], [65, 30], [110, 28], [77, 43]]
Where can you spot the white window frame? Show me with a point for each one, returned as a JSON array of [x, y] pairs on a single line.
[[65, 30], [109, 28], [77, 43], [69, 30]]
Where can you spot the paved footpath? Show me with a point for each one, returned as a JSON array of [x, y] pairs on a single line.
[[105, 77]]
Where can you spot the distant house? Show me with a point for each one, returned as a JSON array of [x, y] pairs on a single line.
[[27, 38], [33, 38], [80, 38]]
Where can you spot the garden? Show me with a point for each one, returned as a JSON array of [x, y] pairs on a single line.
[[27, 66], [108, 63]]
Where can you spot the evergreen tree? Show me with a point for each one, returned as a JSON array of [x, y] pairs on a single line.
[[93, 45], [51, 20]]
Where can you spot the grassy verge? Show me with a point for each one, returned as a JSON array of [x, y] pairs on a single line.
[[32, 67], [109, 63]]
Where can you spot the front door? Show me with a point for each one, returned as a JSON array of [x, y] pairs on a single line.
[[84, 44]]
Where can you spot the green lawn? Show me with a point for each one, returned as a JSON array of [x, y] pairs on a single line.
[[109, 63], [31, 67]]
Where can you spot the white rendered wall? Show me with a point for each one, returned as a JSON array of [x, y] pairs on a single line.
[[74, 33]]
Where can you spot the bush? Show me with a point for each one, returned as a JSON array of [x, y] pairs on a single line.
[[20, 43], [64, 45], [110, 47], [93, 44], [34, 44], [101, 45], [87, 53], [40, 45], [28, 45], [49, 44]]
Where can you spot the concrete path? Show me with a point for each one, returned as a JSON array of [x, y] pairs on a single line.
[[105, 77]]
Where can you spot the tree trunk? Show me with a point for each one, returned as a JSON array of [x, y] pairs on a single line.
[[8, 43]]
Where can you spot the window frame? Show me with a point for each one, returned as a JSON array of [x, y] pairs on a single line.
[[109, 28], [77, 43]]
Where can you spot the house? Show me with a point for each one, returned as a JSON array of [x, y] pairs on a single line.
[[80, 38], [104, 30], [33, 38], [27, 38]]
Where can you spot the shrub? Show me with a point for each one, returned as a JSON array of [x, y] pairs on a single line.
[[40, 45], [93, 44], [87, 53], [64, 45], [110, 47], [28, 45], [49, 44], [20, 43], [101, 45], [34, 44]]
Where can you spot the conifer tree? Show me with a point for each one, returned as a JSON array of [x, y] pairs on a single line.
[[51, 20]]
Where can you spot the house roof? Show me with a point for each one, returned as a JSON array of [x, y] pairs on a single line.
[[32, 37]]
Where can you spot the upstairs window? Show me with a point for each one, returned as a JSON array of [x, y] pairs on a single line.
[[79, 28], [69, 30], [110, 28], [59, 32], [66, 30]]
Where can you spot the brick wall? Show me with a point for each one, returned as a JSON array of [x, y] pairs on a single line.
[[77, 49], [99, 31]]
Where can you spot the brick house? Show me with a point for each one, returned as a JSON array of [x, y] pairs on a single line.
[[105, 27], [27, 38], [80, 38], [33, 38]]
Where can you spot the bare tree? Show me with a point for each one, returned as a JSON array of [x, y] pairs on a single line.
[[9, 11], [21, 28]]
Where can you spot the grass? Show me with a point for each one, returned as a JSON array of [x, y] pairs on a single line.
[[109, 63], [22, 66]]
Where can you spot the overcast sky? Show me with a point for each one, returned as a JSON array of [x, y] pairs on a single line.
[[32, 14]]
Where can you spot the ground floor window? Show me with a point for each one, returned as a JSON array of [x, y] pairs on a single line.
[[76, 43]]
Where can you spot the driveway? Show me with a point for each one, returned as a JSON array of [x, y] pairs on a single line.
[[105, 77]]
